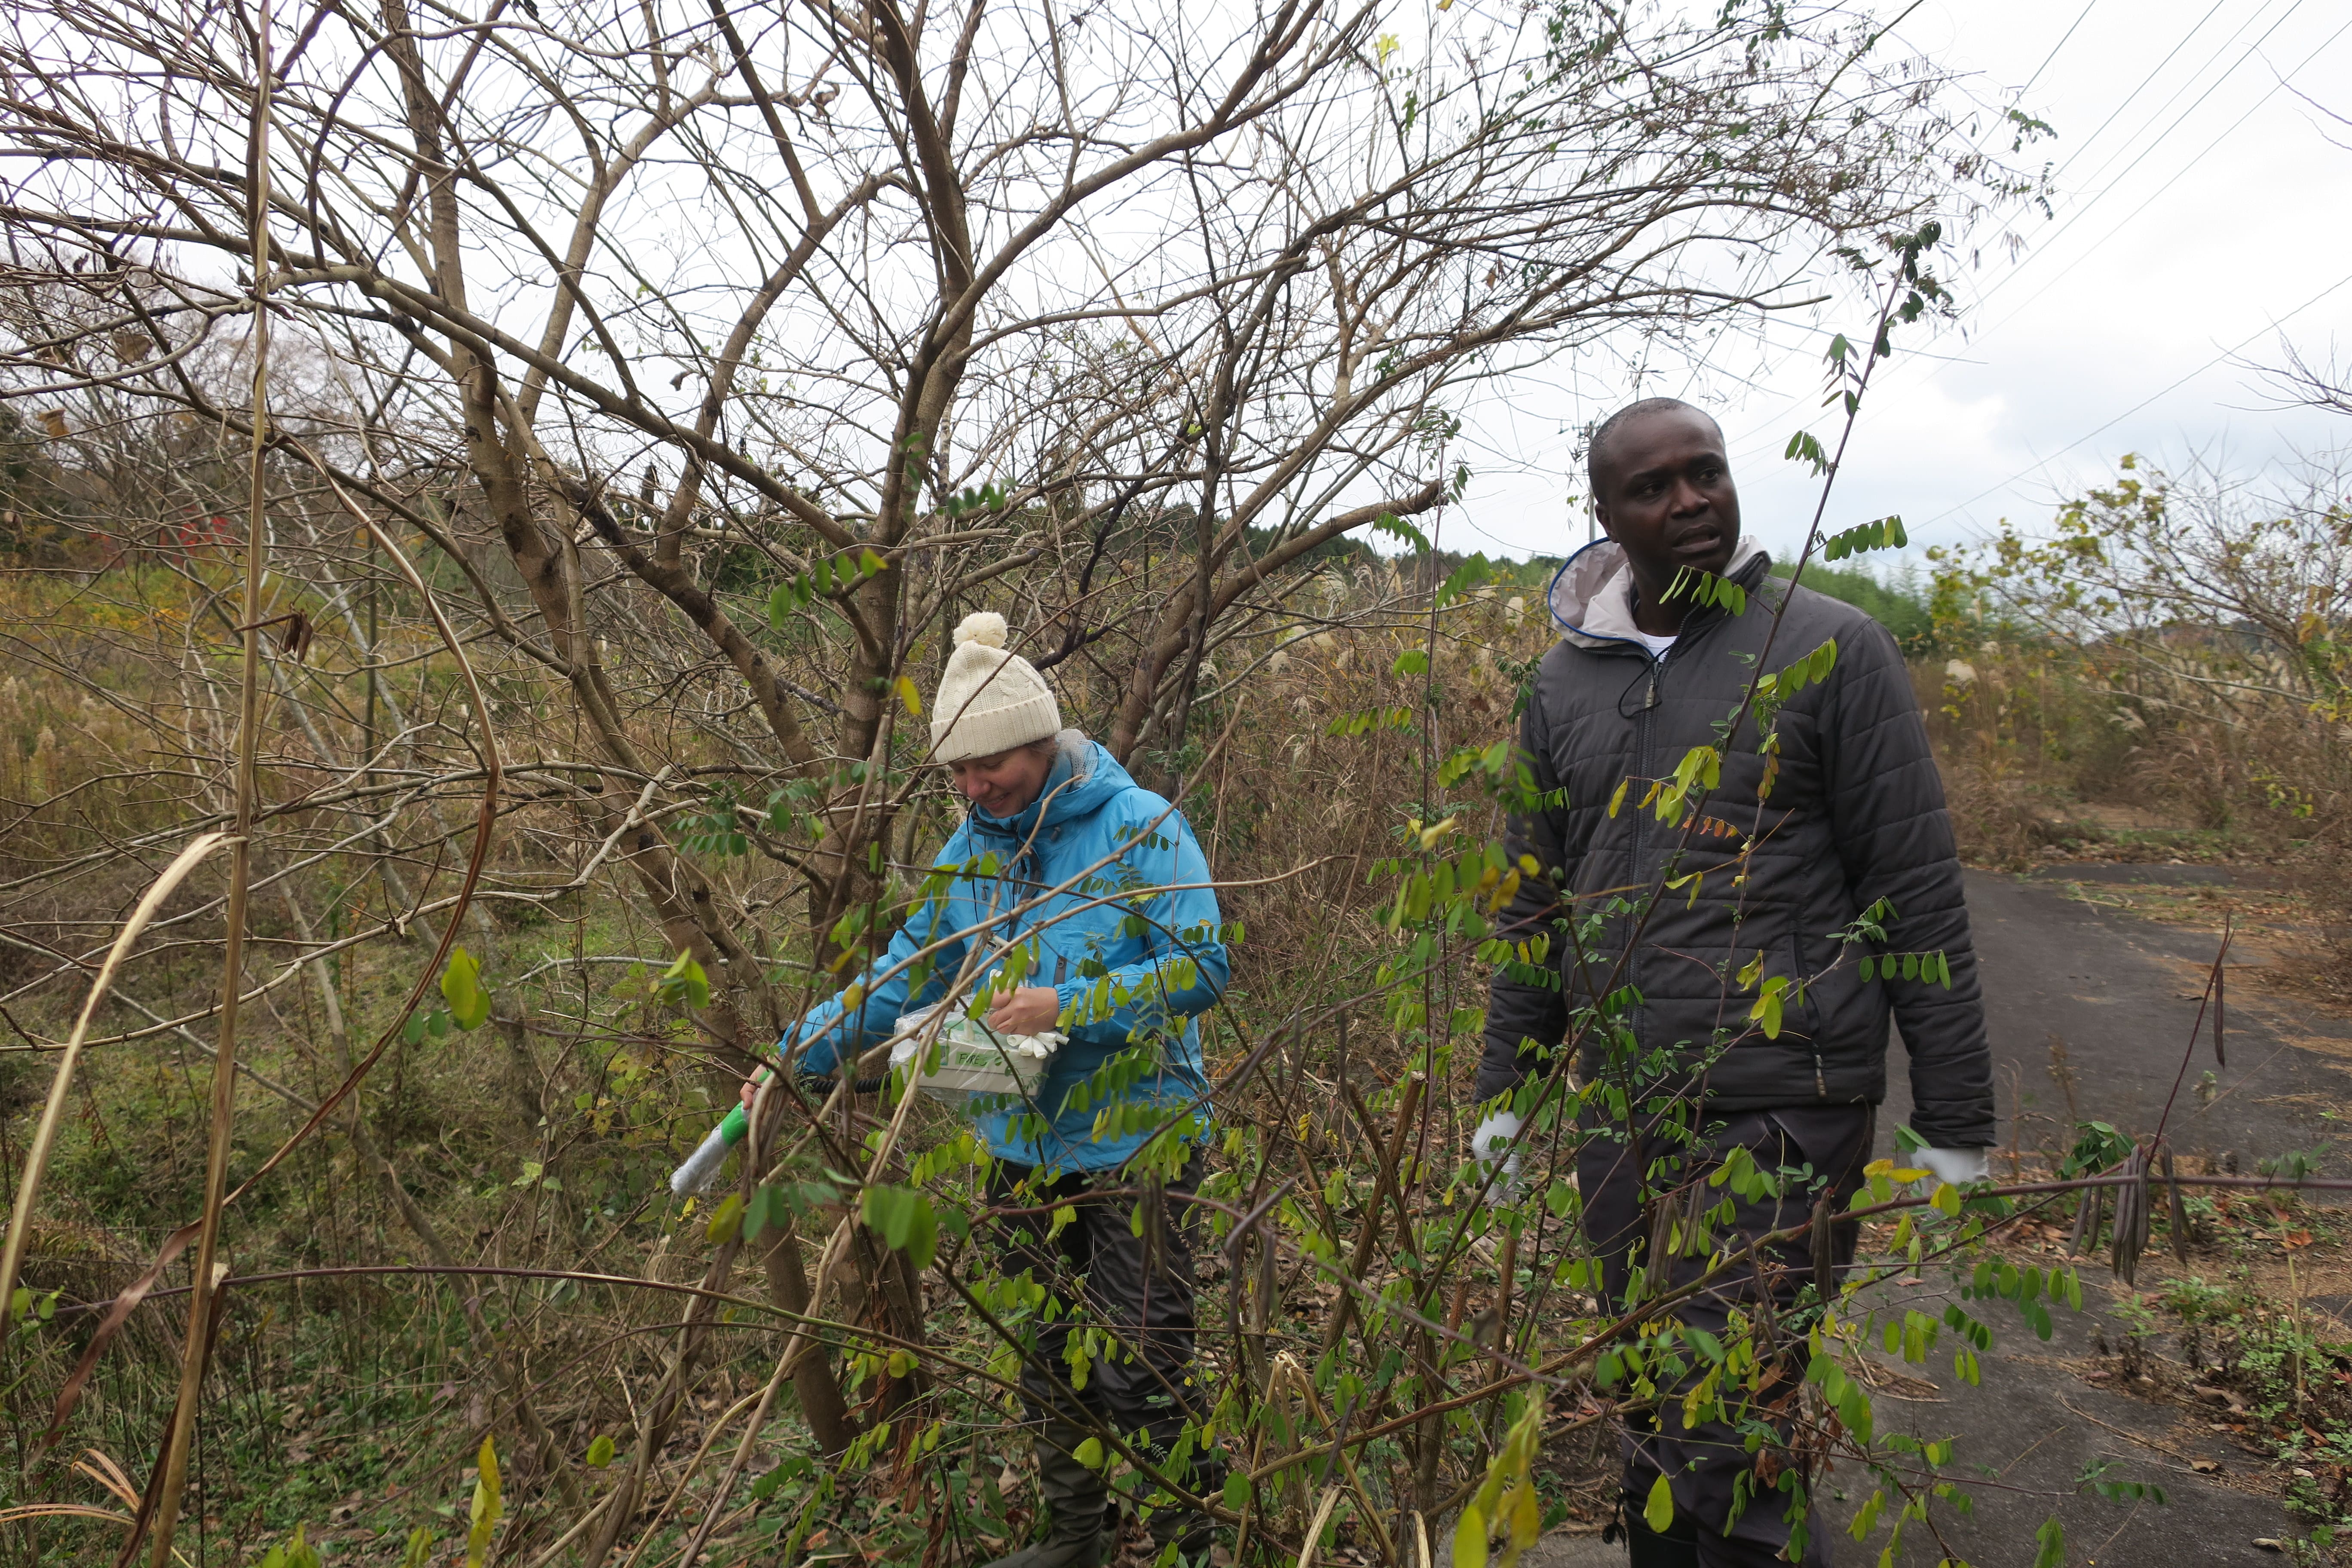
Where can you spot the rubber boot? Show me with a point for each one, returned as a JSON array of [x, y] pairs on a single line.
[[1192, 1532], [1085, 1531]]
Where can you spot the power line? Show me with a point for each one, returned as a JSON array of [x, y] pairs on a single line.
[[2062, 44], [2149, 81], [2107, 190], [1977, 142], [2084, 146], [2271, 326], [2144, 152], [2150, 199]]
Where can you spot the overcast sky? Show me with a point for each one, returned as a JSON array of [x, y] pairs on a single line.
[[2204, 214]]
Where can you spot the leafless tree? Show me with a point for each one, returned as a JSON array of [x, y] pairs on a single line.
[[683, 372]]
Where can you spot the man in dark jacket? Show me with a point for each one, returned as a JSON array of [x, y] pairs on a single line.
[[1748, 1024]]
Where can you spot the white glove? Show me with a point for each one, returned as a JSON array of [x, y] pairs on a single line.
[[702, 1167], [1957, 1166], [1492, 1142]]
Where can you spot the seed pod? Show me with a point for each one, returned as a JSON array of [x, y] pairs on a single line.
[[1155, 1259], [2090, 1207], [2180, 1208], [1698, 1234], [1824, 1251], [2130, 1238], [1767, 1326], [2221, 1012]]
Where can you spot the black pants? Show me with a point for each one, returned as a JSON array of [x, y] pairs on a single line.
[[1101, 1276], [1704, 1464]]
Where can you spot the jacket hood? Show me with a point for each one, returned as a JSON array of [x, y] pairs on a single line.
[[1084, 779], [1592, 596]]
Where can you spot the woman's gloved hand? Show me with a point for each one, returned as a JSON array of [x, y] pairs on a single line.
[[1491, 1146], [1957, 1166]]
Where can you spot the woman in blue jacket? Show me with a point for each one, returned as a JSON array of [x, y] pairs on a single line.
[[1082, 898]]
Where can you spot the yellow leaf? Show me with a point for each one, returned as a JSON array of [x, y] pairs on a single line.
[[1947, 1198], [487, 1505], [1525, 1516], [1505, 891], [1470, 1539], [909, 695], [1659, 1511]]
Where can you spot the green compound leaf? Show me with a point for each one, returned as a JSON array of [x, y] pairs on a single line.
[[297, 1553], [770, 1208], [904, 1220], [684, 982], [1885, 533]]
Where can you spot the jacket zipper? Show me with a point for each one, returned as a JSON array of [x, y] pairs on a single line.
[[1641, 768]]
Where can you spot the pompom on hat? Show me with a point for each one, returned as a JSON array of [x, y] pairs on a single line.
[[989, 700]]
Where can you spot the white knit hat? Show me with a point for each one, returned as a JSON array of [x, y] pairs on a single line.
[[989, 700]]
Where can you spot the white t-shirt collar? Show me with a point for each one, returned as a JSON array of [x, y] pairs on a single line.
[[1656, 644]]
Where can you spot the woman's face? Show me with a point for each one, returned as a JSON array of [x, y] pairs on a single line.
[[1004, 784]]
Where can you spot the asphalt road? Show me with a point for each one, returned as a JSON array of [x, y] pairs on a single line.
[[2115, 996]]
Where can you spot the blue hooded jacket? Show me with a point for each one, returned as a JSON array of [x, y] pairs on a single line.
[[1132, 939]]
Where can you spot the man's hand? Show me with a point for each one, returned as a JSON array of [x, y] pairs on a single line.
[[1031, 1010], [752, 1087]]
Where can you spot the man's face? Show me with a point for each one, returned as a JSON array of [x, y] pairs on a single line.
[[1665, 495], [1003, 785]]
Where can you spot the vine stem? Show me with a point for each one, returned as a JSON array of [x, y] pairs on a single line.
[[163, 1501]]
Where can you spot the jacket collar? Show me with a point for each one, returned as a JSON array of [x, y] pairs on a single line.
[[1592, 596]]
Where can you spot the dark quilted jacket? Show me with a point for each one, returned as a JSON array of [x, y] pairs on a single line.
[[1855, 814]]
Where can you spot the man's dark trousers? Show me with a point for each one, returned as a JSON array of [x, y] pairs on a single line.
[[1704, 1463]]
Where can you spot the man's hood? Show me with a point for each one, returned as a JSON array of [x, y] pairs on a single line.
[[1593, 594], [1084, 778]]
